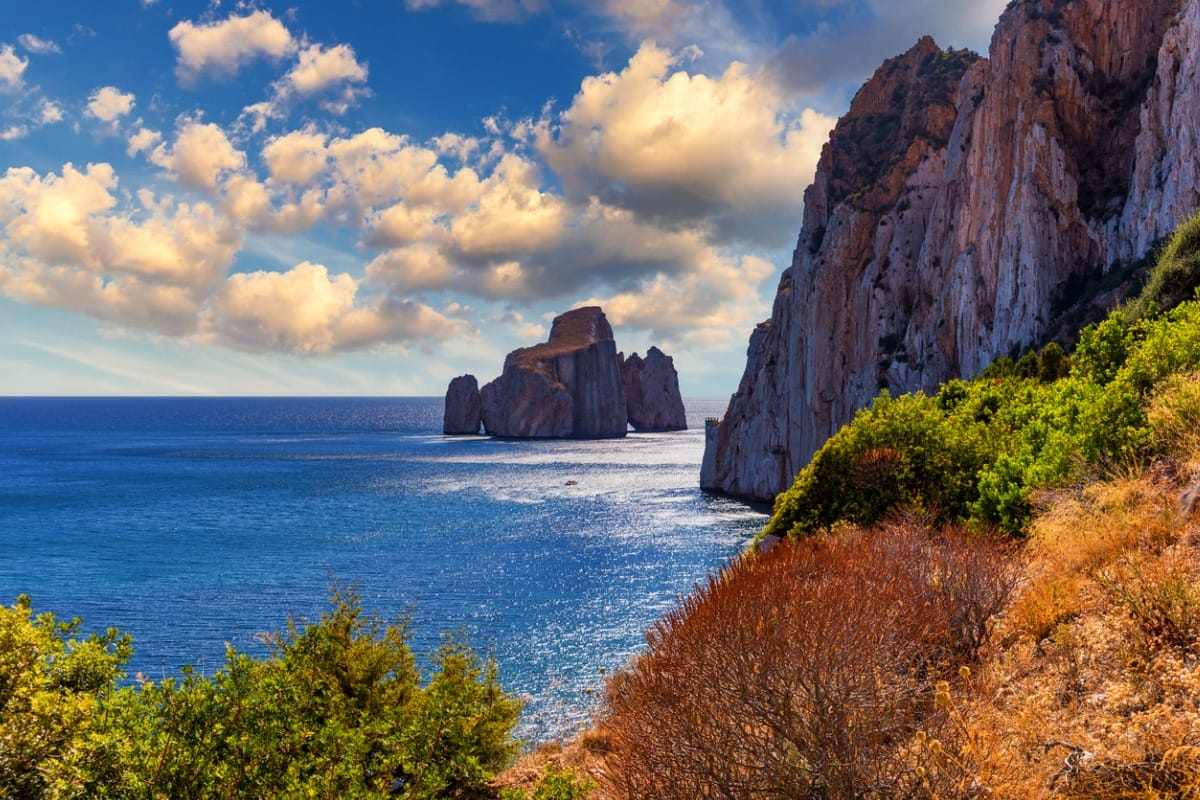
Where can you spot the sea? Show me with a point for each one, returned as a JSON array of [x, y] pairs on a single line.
[[193, 523]]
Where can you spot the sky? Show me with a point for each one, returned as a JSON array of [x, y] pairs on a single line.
[[371, 197]]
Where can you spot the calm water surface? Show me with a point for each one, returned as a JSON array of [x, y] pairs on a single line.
[[192, 522]]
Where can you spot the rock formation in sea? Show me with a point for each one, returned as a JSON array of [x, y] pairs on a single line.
[[958, 207], [462, 415], [567, 387], [652, 395]]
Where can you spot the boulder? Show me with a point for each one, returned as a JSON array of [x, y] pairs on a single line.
[[652, 392], [462, 415]]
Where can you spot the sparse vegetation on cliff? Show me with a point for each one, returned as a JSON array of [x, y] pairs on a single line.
[[979, 450]]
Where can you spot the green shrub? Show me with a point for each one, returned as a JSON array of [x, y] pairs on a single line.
[[553, 785], [52, 683], [1175, 276], [981, 449], [902, 452], [337, 709]]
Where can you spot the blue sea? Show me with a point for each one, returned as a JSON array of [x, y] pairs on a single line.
[[193, 522]]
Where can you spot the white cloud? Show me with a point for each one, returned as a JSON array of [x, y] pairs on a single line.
[[67, 243], [318, 69], [12, 69], [108, 104], [220, 49], [143, 140], [13, 132], [38, 45], [297, 157], [200, 155], [331, 73], [307, 311], [680, 148], [50, 112]]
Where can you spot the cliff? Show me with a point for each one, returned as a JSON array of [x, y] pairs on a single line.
[[958, 207], [567, 387], [652, 397]]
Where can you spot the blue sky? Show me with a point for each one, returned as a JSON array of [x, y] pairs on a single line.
[[368, 198]]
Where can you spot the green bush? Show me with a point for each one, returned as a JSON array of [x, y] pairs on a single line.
[[1175, 276], [980, 449], [53, 742], [337, 709]]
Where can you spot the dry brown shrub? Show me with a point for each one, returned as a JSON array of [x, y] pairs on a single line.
[[804, 672]]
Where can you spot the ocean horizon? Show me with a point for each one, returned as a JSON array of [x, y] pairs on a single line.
[[193, 522]]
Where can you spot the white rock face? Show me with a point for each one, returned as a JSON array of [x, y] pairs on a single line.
[[959, 204], [652, 397]]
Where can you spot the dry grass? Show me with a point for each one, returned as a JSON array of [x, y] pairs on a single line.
[[836, 668]]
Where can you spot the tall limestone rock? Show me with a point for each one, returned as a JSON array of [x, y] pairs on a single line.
[[567, 387], [462, 413], [652, 396], [959, 205]]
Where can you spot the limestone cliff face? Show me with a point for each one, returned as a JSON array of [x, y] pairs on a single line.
[[652, 397], [959, 204], [568, 387], [462, 413]]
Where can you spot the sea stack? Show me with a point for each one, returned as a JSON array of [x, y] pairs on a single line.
[[462, 417], [652, 392], [566, 388]]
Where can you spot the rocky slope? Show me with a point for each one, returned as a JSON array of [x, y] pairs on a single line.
[[652, 397], [567, 387], [960, 204]]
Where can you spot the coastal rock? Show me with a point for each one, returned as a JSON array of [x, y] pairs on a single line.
[[960, 205], [652, 396], [462, 414], [567, 387]]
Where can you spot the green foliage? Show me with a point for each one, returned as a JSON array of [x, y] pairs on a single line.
[[553, 785], [51, 685], [899, 452], [1176, 275], [337, 709], [980, 449]]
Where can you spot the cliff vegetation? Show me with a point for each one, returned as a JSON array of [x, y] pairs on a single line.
[[993, 592]]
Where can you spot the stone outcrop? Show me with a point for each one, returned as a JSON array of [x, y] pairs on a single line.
[[959, 206], [462, 414], [567, 387], [652, 396]]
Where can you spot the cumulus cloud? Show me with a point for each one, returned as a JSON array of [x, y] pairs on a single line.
[[701, 308], [332, 74], [66, 243], [679, 148], [849, 48], [108, 104], [38, 45], [12, 69], [307, 311], [199, 156], [220, 49], [319, 68], [50, 112]]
